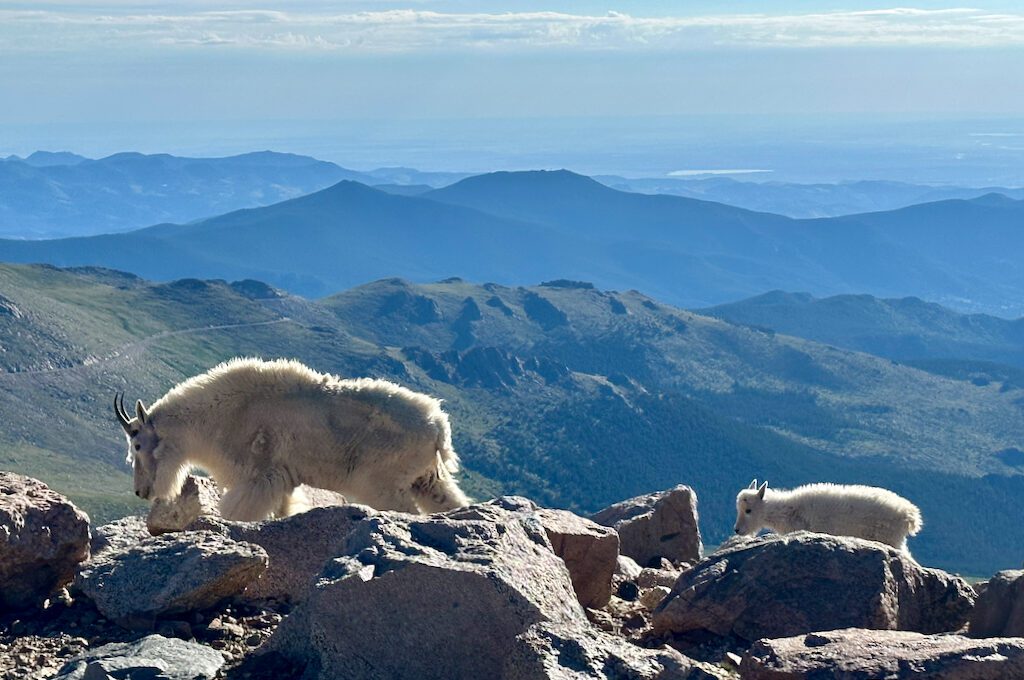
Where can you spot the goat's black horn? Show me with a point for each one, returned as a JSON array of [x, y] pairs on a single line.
[[122, 416]]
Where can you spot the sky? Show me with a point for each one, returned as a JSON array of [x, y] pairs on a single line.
[[199, 77]]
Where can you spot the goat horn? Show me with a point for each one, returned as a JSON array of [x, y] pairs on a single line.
[[122, 416], [124, 412]]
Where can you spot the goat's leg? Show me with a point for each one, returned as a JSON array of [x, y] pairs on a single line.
[[293, 504], [391, 498], [434, 493], [251, 501]]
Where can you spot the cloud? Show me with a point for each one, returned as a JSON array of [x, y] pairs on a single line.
[[410, 30]]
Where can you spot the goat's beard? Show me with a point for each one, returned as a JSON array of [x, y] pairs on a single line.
[[170, 476]]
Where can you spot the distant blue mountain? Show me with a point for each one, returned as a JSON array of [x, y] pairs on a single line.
[[804, 200], [955, 251], [45, 159], [966, 254], [906, 329], [534, 226], [411, 176], [404, 189], [577, 203], [337, 237], [63, 194]]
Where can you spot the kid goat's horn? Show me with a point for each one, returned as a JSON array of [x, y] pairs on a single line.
[[122, 415]]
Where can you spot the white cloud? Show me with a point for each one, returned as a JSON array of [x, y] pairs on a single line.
[[416, 30]]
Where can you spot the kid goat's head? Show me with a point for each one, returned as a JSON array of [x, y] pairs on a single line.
[[142, 445], [750, 509]]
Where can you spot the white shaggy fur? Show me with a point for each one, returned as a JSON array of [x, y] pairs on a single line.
[[841, 510], [262, 428]]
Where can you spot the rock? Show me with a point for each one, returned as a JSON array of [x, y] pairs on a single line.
[[854, 654], [199, 496], [542, 312], [220, 628], [153, 656], [589, 550], [627, 568], [9, 309], [489, 367], [468, 582], [297, 547], [169, 574], [999, 611], [649, 578], [656, 525], [118, 535], [43, 537], [560, 652], [653, 597], [781, 585], [320, 498], [175, 629]]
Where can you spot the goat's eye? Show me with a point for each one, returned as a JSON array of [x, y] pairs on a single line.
[[135, 433], [748, 509], [138, 447]]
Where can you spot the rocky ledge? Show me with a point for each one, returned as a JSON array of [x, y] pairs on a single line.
[[501, 589]]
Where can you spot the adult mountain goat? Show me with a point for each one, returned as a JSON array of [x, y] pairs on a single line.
[[842, 510], [262, 428]]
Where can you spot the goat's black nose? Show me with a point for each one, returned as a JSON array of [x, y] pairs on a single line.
[[137, 493]]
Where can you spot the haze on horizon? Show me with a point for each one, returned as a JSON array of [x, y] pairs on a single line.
[[807, 91]]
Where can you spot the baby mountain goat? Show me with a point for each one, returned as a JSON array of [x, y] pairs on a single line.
[[861, 511], [262, 428]]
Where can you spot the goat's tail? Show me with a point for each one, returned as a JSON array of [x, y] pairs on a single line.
[[914, 521], [437, 490], [448, 460]]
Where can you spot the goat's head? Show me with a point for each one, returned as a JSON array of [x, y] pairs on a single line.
[[142, 445], [750, 509]]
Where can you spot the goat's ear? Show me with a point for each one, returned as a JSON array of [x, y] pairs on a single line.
[[140, 412], [753, 484], [761, 489]]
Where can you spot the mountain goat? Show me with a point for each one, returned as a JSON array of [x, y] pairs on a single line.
[[262, 428], [842, 510]]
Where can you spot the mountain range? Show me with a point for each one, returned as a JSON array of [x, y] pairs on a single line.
[[55, 194], [805, 200], [905, 329], [510, 227], [571, 394]]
